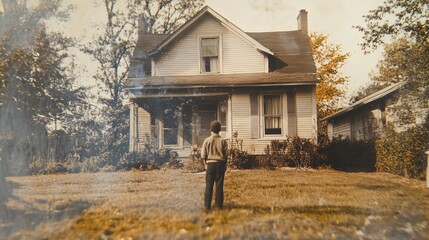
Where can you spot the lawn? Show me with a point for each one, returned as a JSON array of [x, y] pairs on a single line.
[[261, 204]]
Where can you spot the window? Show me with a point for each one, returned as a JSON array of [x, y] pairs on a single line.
[[209, 48], [170, 127], [272, 114]]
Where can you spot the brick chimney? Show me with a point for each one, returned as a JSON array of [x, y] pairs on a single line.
[[303, 21]]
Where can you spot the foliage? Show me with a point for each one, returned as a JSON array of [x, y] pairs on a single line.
[[329, 59], [112, 51], [295, 151], [165, 16], [346, 155], [330, 92], [239, 159], [367, 90], [149, 158], [194, 163], [403, 153], [396, 18], [406, 58], [37, 82]]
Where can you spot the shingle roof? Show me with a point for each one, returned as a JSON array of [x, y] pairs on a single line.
[[292, 52], [367, 100], [292, 62], [222, 80]]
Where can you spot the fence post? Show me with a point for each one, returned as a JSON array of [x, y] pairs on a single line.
[[427, 171]]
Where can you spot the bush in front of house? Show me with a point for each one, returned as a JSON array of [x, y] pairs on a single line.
[[239, 159], [194, 163], [292, 152], [149, 159], [403, 153], [346, 155]]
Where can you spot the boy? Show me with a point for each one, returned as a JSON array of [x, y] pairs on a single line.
[[214, 154]]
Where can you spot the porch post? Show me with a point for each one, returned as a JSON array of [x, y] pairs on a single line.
[[229, 118], [132, 127], [427, 171]]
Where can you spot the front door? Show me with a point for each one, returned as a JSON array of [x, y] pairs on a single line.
[[206, 116]]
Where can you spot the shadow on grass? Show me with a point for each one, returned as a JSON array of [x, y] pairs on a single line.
[[306, 210], [27, 217]]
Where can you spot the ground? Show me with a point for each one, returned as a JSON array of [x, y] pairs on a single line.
[[259, 204]]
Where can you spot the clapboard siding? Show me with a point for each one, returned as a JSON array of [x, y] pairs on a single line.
[[241, 116], [143, 126], [304, 114], [341, 127], [182, 57]]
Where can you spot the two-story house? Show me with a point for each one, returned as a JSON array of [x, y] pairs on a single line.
[[260, 86]]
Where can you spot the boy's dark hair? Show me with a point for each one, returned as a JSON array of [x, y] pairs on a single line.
[[215, 126]]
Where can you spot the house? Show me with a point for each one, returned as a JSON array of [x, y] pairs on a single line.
[[364, 119], [260, 86]]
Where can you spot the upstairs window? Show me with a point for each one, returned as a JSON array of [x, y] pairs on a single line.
[[273, 114], [209, 47]]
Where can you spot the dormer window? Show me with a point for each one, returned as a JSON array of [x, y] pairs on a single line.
[[209, 52]]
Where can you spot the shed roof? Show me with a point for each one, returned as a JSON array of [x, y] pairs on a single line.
[[367, 100]]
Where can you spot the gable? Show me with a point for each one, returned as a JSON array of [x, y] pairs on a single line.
[[181, 56]]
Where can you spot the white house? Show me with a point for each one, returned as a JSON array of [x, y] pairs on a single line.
[[258, 85]]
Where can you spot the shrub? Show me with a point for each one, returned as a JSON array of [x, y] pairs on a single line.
[[149, 158], [46, 167], [194, 163], [239, 159], [346, 155], [295, 151], [403, 153]]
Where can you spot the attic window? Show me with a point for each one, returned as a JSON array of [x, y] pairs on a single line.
[[209, 47]]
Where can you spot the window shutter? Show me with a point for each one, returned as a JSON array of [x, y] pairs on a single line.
[[254, 116], [291, 113]]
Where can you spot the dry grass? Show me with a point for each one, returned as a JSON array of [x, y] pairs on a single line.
[[290, 204]]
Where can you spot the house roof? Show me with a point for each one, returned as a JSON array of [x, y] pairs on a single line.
[[221, 80], [292, 51], [367, 100], [289, 52], [222, 20]]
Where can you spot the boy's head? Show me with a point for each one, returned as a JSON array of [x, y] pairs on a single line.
[[215, 126]]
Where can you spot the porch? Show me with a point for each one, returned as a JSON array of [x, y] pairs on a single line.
[[178, 123]]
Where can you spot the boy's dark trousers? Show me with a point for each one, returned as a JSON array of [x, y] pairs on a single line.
[[215, 173]]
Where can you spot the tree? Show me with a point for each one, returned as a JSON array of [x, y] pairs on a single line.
[[329, 59], [405, 23], [37, 78], [113, 50], [396, 18]]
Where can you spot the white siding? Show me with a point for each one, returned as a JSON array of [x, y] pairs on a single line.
[[241, 116], [341, 127], [304, 114], [241, 124], [143, 126], [182, 57]]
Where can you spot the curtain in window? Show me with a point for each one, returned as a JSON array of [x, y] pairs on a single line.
[[272, 112], [209, 47]]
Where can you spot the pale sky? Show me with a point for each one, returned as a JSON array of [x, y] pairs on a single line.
[[335, 18]]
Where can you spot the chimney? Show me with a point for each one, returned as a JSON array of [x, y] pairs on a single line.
[[142, 25], [302, 21]]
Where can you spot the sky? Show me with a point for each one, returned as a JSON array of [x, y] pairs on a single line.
[[334, 18]]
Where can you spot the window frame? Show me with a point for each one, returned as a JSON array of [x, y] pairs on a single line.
[[162, 129], [200, 58], [282, 115]]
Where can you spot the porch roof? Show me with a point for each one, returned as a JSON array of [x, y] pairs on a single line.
[[222, 80]]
